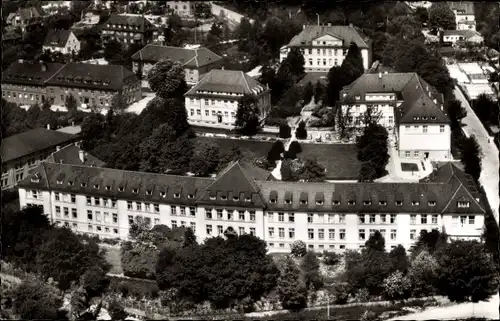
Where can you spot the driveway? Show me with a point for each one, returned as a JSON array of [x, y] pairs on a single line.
[[490, 165]]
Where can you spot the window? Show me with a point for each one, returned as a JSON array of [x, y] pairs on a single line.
[[331, 218], [415, 203], [336, 202], [342, 234], [393, 234], [173, 210], [220, 214], [241, 215], [413, 219], [463, 220], [366, 203], [441, 128], [321, 218], [229, 215], [270, 217], [156, 208], [361, 218], [115, 218], [271, 232], [472, 219], [310, 233], [58, 211], [341, 218], [362, 235], [462, 204], [98, 216], [431, 203], [399, 203], [413, 234], [129, 205], [209, 229], [241, 230], [434, 219], [291, 217], [130, 220], [183, 211], [220, 229], [174, 223], [372, 218], [90, 228], [331, 234], [73, 198], [281, 232], [291, 232], [310, 218], [425, 128], [147, 207], [89, 215], [252, 215], [423, 219], [89, 201], [281, 217], [74, 213], [416, 153], [351, 202], [57, 196], [321, 233], [252, 231]]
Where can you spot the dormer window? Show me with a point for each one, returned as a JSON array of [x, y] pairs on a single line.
[[433, 117], [223, 197], [415, 203], [212, 197], [248, 199], [83, 184], [163, 194], [431, 203], [135, 190], [190, 196], [366, 203], [399, 203], [351, 202], [107, 187], [59, 182], [149, 192], [121, 189], [303, 202], [177, 195], [319, 202], [383, 203], [463, 204], [336, 202], [425, 118], [236, 198], [96, 186], [272, 201], [288, 202]]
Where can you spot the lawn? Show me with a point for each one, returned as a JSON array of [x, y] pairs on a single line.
[[114, 258], [409, 167], [250, 148]]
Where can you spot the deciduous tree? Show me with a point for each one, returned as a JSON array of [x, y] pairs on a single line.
[[310, 271], [308, 93], [312, 171], [441, 16], [167, 80], [471, 157], [35, 300], [423, 274], [205, 158], [292, 291], [399, 259], [397, 286], [298, 248], [247, 115]]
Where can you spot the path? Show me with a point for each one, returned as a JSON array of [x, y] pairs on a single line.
[[489, 167], [488, 310], [277, 170]]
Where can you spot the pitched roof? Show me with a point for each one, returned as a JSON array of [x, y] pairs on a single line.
[[32, 141], [348, 34], [25, 13], [229, 81], [30, 73], [467, 7], [128, 20], [111, 77], [57, 38], [193, 58], [417, 95], [70, 154], [465, 33]]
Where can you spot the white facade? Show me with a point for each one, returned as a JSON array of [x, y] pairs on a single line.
[[382, 105], [432, 141], [72, 44], [320, 231], [465, 21]]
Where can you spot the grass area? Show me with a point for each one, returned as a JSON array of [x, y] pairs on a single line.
[[340, 160], [113, 257], [250, 148], [409, 167]]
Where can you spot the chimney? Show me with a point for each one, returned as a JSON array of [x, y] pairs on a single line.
[[48, 126], [435, 101], [379, 75], [385, 72], [72, 123], [81, 155], [222, 68], [58, 148], [350, 25]]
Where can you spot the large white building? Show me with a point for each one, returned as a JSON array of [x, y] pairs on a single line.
[[408, 107], [214, 99], [325, 46], [327, 216], [464, 14]]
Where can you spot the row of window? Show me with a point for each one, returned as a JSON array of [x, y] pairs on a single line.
[[353, 202], [220, 229], [318, 62], [145, 207], [15, 95], [425, 128], [324, 51], [121, 33], [214, 113], [131, 27], [423, 219], [192, 225], [96, 215], [213, 101], [235, 215], [357, 120]]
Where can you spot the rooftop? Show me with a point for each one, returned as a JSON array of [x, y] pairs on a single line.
[[128, 20], [74, 130], [71, 154], [193, 58], [32, 141], [228, 81], [57, 38], [464, 7], [25, 14], [30, 73], [465, 33], [347, 34]]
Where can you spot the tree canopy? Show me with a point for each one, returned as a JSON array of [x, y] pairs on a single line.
[[247, 115], [167, 80], [441, 16]]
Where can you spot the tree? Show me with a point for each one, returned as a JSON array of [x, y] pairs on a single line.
[[205, 158], [319, 92], [441, 16], [471, 157], [397, 286], [232, 154], [119, 103], [298, 249], [399, 259], [295, 61], [33, 299], [287, 172], [310, 271], [275, 152], [247, 115], [456, 112], [167, 80], [138, 227], [312, 171], [429, 242], [285, 131], [111, 49], [466, 272], [116, 311], [308, 93], [352, 66], [293, 150], [371, 116], [343, 120], [422, 15], [336, 81], [486, 109], [423, 274], [78, 302], [292, 291], [301, 132], [71, 104], [94, 281], [372, 148], [139, 260]]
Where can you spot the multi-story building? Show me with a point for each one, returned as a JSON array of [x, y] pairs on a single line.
[[327, 216], [182, 8], [25, 18], [63, 41], [196, 62], [464, 14], [214, 100], [27, 83], [325, 46], [128, 29], [23, 152], [407, 106]]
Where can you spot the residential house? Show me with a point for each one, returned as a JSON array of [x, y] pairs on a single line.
[[128, 29], [25, 18], [462, 37], [407, 106], [23, 152], [325, 46], [27, 83], [214, 100], [327, 216], [464, 14], [182, 8], [63, 41], [196, 62]]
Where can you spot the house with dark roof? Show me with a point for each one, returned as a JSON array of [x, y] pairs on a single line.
[[28, 83], [327, 216], [128, 29], [214, 99], [464, 14], [196, 62], [325, 46], [74, 155], [25, 18], [63, 41], [22, 152], [410, 109]]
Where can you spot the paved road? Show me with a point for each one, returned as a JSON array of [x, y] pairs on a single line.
[[490, 165]]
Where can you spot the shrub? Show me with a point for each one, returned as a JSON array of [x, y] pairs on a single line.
[[298, 248], [423, 274], [275, 121], [285, 131], [301, 132], [341, 293], [139, 260], [135, 288], [116, 311], [331, 258], [369, 316], [362, 295], [294, 149], [397, 287], [275, 152]]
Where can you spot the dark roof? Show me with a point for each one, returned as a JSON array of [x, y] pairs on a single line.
[[136, 21], [32, 141], [110, 77], [29, 73], [466, 7], [70, 154], [25, 13], [193, 58], [348, 34], [417, 95], [230, 81], [57, 38]]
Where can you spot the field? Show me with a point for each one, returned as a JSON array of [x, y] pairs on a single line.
[[113, 258]]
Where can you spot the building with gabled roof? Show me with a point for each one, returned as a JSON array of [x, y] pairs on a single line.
[[464, 14], [196, 62], [72, 154], [25, 18], [325, 46], [63, 41], [128, 29], [462, 36], [214, 99], [410, 109], [327, 216]]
